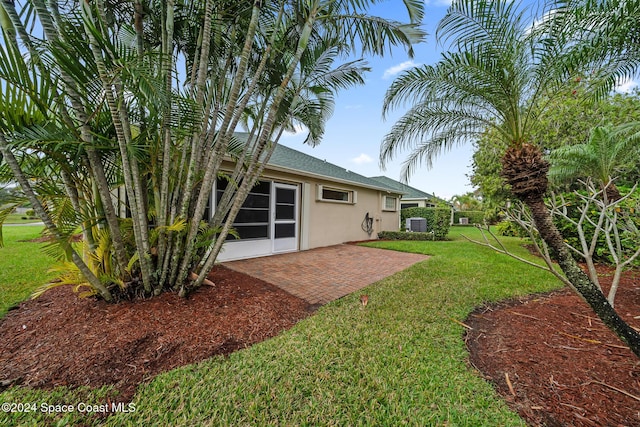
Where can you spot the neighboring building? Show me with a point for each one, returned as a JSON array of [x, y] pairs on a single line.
[[411, 197], [302, 202]]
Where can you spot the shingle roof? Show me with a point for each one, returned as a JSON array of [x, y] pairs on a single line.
[[409, 192], [294, 160], [291, 159]]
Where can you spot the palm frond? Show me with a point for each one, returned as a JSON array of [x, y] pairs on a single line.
[[67, 273], [600, 158], [375, 35], [132, 262]]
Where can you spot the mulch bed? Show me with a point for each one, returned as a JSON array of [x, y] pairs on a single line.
[[59, 339], [565, 367]]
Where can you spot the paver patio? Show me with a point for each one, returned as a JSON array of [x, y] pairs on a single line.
[[324, 274]]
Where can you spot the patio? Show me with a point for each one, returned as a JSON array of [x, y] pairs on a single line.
[[325, 274]]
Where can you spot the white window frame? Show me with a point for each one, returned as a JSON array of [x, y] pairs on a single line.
[[352, 195], [396, 201], [417, 205]]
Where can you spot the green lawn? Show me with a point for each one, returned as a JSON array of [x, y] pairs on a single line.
[[400, 361], [23, 266], [19, 219]]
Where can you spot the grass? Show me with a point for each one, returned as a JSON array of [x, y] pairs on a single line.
[[399, 361], [23, 266], [19, 219]]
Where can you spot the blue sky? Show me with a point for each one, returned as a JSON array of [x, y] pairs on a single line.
[[354, 133]]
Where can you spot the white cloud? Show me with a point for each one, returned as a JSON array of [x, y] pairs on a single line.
[[397, 69], [299, 129], [626, 86], [362, 159]]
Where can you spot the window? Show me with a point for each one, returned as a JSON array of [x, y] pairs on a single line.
[[252, 221], [390, 203], [330, 194], [408, 205]]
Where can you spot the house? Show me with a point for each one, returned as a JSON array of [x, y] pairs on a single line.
[[302, 202], [411, 197]]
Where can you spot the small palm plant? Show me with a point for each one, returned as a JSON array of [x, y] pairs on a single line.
[[608, 150]]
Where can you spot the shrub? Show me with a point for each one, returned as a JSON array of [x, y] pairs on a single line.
[[30, 213], [438, 220], [475, 217], [510, 229], [405, 235]]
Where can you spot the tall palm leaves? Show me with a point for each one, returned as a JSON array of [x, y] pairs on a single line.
[[609, 35], [146, 96], [503, 69], [497, 76]]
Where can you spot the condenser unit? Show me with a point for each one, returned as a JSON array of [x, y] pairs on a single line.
[[464, 221], [416, 224]]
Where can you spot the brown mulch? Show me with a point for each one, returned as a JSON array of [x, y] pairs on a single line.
[[564, 366], [60, 339]]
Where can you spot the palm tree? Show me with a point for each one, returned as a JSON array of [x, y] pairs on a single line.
[[501, 73], [148, 95], [601, 158], [466, 202]]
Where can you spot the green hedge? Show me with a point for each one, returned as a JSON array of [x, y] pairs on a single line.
[[510, 229], [475, 217], [404, 235], [438, 220]]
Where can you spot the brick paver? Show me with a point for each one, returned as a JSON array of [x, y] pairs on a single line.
[[325, 274]]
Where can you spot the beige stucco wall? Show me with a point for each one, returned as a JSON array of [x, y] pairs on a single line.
[[330, 223], [324, 223]]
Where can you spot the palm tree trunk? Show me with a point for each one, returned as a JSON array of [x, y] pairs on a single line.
[[50, 25], [255, 166], [39, 208], [165, 137], [211, 169], [581, 282], [132, 176], [525, 170]]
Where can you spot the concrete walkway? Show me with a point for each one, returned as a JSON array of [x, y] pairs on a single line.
[[324, 274]]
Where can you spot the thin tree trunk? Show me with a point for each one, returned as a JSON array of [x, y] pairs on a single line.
[[165, 139], [255, 167], [198, 93], [50, 23], [42, 213], [109, 211], [211, 169], [585, 287], [129, 163]]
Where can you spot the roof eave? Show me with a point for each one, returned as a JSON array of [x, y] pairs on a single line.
[[333, 179]]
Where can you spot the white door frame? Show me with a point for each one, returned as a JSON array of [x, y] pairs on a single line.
[[287, 244]]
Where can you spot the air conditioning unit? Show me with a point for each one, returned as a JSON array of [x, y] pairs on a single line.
[[464, 221], [416, 224]]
